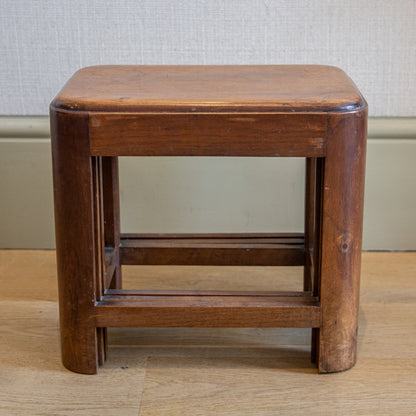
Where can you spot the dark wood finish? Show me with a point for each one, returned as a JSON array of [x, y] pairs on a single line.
[[310, 179], [317, 246], [217, 134], [267, 251], [210, 88], [99, 249], [229, 237], [111, 264], [342, 221], [135, 292], [111, 202], [75, 249], [206, 240], [209, 311], [314, 112]]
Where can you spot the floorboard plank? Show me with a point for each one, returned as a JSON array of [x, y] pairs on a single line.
[[194, 371]]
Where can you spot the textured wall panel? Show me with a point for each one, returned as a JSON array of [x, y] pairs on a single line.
[[43, 42]]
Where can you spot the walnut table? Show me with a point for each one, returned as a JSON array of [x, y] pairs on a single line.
[[103, 112]]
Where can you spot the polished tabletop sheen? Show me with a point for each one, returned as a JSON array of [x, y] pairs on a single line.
[[227, 88]]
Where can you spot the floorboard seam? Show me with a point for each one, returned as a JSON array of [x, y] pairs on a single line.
[[144, 383]]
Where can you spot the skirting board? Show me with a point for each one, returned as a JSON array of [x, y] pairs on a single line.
[[208, 194]]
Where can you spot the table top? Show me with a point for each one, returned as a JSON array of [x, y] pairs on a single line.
[[210, 88]]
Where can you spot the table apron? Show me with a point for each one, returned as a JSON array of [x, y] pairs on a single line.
[[208, 134]]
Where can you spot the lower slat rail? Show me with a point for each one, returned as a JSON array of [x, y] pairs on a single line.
[[264, 249], [252, 309]]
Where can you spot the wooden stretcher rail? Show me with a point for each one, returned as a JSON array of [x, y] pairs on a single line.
[[227, 236], [204, 292], [213, 249], [299, 310]]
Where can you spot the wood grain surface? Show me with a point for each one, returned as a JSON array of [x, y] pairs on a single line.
[[341, 240], [77, 223], [226, 250], [179, 371], [208, 134], [193, 88]]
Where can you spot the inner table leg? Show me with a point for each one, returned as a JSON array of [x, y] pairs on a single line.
[[112, 214], [317, 248], [97, 169], [342, 215], [310, 170]]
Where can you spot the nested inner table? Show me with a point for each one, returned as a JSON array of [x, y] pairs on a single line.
[[103, 112]]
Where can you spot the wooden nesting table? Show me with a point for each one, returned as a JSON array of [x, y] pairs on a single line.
[[103, 112]]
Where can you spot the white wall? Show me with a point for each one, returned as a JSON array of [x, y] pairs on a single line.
[[42, 42]]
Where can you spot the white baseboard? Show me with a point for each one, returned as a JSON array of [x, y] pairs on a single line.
[[208, 194]]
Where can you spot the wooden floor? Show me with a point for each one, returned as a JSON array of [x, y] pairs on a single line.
[[207, 371]]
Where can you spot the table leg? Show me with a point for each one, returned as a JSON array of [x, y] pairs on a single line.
[[112, 214], [75, 247], [310, 180], [342, 216], [316, 246]]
